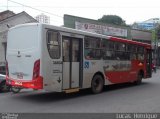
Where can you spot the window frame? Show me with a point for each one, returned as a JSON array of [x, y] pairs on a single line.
[[107, 49], [93, 49], [59, 44]]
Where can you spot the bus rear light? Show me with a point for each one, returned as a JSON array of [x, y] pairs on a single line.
[[33, 84], [36, 69]]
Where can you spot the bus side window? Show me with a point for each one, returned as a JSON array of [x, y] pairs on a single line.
[[140, 51], [108, 50], [66, 45], [133, 56], [92, 48], [53, 44], [89, 54], [75, 51], [110, 55]]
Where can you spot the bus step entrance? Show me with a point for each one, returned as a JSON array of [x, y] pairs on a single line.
[[72, 90]]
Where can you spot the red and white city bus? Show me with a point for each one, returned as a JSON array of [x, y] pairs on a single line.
[[59, 59]]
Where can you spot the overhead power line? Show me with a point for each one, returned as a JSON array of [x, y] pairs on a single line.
[[36, 9]]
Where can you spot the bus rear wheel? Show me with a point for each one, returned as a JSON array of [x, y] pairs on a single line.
[[97, 84], [15, 89]]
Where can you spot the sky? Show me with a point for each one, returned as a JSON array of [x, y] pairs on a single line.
[[129, 10]]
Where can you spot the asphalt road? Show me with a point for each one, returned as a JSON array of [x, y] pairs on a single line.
[[117, 98]]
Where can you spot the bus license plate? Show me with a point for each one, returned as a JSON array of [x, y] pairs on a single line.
[[18, 83]]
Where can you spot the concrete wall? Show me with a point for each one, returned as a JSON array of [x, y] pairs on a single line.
[[140, 35]]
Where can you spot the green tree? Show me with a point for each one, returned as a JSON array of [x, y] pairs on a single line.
[[112, 19]]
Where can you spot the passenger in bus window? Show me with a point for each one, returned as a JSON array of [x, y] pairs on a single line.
[[133, 56], [108, 53], [90, 54], [140, 57], [87, 54], [117, 58]]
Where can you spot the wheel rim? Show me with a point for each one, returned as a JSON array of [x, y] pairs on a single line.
[[15, 89], [97, 84]]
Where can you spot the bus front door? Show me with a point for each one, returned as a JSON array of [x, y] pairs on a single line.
[[72, 62]]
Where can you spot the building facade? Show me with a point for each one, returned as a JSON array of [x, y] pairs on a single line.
[[43, 19], [6, 14], [147, 25], [96, 26], [141, 36], [107, 29]]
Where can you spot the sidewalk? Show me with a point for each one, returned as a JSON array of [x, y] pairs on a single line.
[[156, 75], [158, 67]]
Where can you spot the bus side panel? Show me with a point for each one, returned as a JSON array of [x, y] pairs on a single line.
[[91, 67], [118, 71], [136, 67], [51, 69]]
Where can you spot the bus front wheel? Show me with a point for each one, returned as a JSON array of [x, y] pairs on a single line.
[[139, 79], [97, 84]]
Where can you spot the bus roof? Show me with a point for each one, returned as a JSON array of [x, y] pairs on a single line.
[[64, 29], [131, 42], [80, 32]]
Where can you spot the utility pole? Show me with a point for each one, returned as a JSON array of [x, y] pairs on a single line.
[[158, 38], [155, 48], [154, 45], [7, 4]]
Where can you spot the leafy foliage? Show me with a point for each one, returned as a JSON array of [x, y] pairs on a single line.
[[112, 19]]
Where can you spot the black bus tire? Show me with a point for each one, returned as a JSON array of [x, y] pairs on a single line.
[[15, 89], [139, 79], [97, 84]]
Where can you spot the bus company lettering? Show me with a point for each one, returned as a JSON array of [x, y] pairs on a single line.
[[57, 62], [117, 66]]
